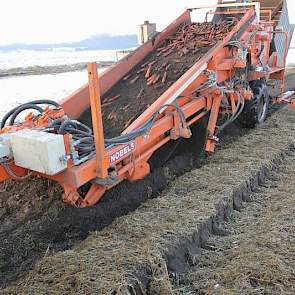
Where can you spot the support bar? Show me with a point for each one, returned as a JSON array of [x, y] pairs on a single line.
[[95, 103]]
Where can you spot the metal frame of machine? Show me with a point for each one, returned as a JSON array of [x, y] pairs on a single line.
[[196, 94]]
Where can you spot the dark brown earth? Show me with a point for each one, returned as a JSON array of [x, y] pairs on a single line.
[[127, 100]]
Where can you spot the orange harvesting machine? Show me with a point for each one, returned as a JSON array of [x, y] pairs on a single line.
[[229, 62]]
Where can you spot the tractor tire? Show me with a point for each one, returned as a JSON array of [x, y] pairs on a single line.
[[255, 110]]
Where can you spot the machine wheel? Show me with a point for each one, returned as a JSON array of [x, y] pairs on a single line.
[[255, 110]]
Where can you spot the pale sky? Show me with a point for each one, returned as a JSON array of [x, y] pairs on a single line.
[[47, 21]]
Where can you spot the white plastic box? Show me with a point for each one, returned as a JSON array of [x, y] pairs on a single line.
[[39, 151]]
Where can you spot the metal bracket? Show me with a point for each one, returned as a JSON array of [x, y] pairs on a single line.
[[111, 180]]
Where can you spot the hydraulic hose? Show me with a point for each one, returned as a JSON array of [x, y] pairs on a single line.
[[82, 134], [9, 171], [83, 139], [23, 108], [73, 125], [34, 102], [64, 125], [235, 115]]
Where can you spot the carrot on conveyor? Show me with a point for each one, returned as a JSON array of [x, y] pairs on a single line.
[[148, 72], [112, 98], [168, 52], [145, 64], [161, 48], [152, 63], [151, 80], [125, 108], [141, 70], [130, 121], [140, 93], [134, 79], [156, 79], [168, 67], [164, 77], [126, 77], [105, 104], [163, 66], [112, 115]]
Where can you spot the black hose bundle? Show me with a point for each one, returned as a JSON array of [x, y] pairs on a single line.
[[12, 114], [235, 115], [82, 135], [83, 138]]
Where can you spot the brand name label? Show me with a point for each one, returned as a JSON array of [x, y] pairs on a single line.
[[122, 152]]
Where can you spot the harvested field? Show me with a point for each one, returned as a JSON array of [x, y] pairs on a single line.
[[155, 74], [150, 248], [254, 254]]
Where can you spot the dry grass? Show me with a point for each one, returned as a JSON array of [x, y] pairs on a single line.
[[258, 257], [107, 261]]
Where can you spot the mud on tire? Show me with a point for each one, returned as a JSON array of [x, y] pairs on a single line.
[[255, 110]]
